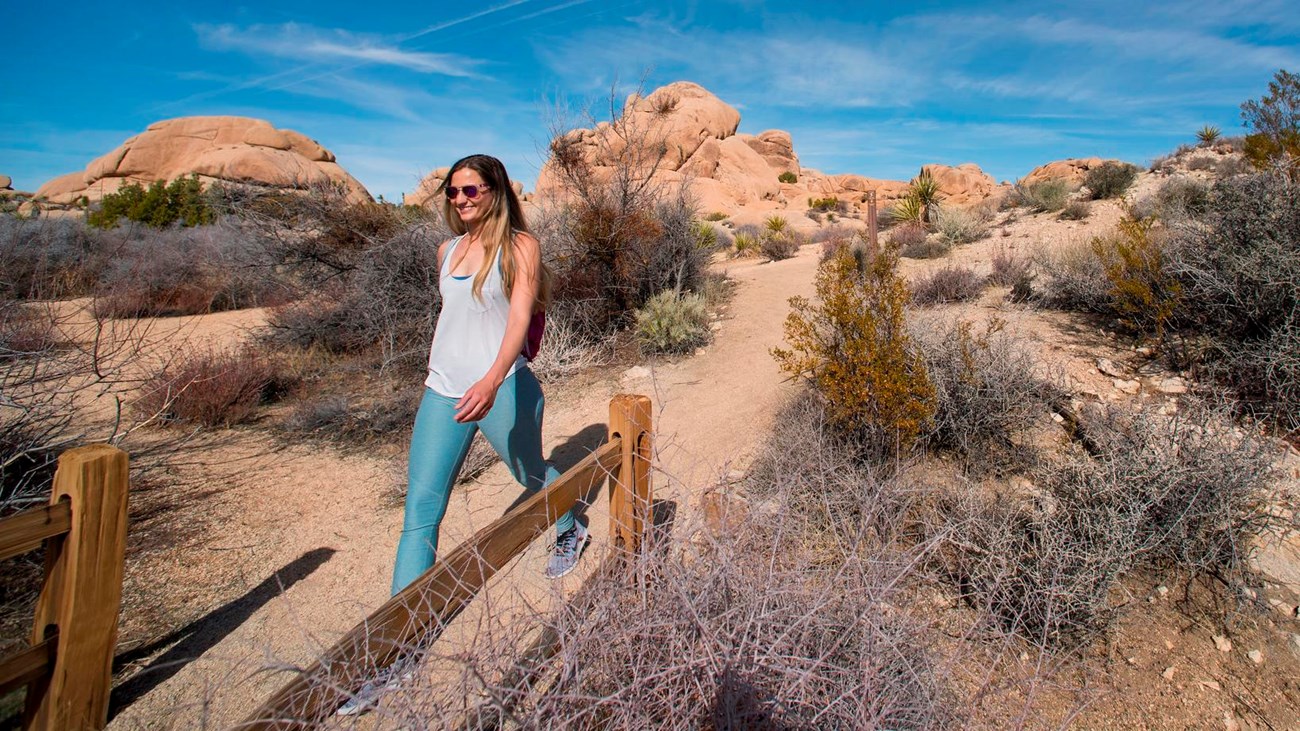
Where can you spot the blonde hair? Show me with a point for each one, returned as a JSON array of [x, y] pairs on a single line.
[[504, 219]]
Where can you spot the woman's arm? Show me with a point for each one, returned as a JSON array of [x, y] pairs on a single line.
[[476, 402]]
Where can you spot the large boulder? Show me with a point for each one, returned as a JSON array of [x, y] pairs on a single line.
[[963, 185], [6, 183], [1072, 171], [742, 173], [777, 148], [678, 118], [227, 149]]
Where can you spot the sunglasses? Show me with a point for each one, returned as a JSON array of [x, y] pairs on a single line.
[[470, 191]]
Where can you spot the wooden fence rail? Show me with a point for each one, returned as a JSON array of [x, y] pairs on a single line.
[[68, 666], [419, 612]]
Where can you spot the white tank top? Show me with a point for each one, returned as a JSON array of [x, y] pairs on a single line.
[[470, 331]]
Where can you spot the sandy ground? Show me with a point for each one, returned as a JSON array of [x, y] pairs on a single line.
[[284, 549]]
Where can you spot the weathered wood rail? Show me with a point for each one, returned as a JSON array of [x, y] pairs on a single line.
[[418, 614], [68, 666]]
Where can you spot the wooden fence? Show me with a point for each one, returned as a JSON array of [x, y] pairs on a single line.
[[68, 668], [418, 614]]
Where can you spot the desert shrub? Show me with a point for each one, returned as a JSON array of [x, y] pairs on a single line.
[[1187, 494], [855, 351], [958, 226], [1275, 117], [780, 243], [706, 236], [51, 258], [211, 387], [1008, 269], [1044, 196], [746, 244], [834, 239], [1076, 211], [388, 302], [1240, 271], [986, 392], [1203, 162], [949, 284], [186, 271], [913, 242], [1143, 291], [788, 177], [162, 204], [1208, 134], [824, 205], [1074, 279], [672, 323], [1180, 198], [1230, 166], [716, 216], [1109, 179]]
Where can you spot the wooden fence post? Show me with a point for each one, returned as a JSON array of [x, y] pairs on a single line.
[[82, 593], [630, 494]]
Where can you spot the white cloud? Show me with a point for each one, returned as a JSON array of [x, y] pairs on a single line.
[[321, 46]]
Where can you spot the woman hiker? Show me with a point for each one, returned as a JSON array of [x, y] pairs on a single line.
[[492, 282]]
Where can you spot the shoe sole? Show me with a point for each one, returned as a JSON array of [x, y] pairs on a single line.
[[585, 542]]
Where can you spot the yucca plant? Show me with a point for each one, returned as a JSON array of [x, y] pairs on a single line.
[[1208, 134], [746, 244], [775, 224], [926, 190], [908, 209]]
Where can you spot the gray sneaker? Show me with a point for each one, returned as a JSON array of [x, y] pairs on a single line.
[[569, 546], [389, 679]]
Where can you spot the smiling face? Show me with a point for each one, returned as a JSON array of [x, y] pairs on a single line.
[[472, 211]]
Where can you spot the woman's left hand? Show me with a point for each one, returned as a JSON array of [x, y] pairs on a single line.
[[477, 401]]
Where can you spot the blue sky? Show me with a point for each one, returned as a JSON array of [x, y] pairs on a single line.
[[396, 89]]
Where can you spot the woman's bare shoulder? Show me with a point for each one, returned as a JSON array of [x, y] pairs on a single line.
[[525, 242]]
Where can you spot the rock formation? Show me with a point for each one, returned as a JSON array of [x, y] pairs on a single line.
[[228, 149], [736, 174], [6, 182], [1072, 171]]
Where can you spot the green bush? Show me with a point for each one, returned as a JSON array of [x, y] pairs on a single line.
[[1275, 118], [1044, 196], [854, 349], [716, 216], [1143, 290], [161, 205], [1110, 179], [824, 204], [669, 323], [949, 284], [788, 177]]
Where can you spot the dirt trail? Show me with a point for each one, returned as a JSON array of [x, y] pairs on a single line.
[[298, 543]]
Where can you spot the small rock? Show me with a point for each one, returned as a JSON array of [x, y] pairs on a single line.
[[1230, 722], [715, 326], [1162, 590], [1295, 642], [1169, 645], [1168, 674], [1108, 367], [1131, 660], [1024, 657], [1129, 387], [636, 372], [1223, 643], [1057, 418], [1145, 351], [1172, 386], [1250, 593], [1256, 657], [1209, 684]]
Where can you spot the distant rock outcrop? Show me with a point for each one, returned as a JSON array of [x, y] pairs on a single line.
[[963, 185], [6, 182], [739, 174], [229, 149], [1072, 170]]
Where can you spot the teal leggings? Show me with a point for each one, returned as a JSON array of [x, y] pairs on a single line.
[[438, 447]]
